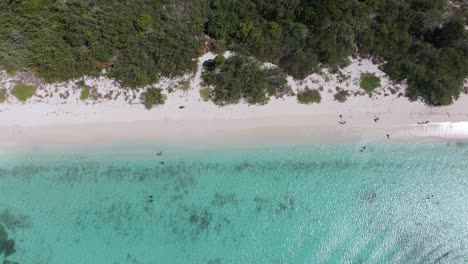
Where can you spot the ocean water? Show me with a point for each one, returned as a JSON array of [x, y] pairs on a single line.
[[325, 203]]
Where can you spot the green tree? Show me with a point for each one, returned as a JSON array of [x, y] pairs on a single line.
[[219, 60], [153, 97], [143, 22], [299, 64], [244, 79], [25, 6]]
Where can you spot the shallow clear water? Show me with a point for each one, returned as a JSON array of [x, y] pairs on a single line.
[[330, 203]]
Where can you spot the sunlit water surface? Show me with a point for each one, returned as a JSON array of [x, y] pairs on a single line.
[[330, 203]]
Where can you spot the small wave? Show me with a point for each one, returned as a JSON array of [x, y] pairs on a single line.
[[447, 130]]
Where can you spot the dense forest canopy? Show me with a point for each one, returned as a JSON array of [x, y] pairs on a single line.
[[422, 42], [138, 41]]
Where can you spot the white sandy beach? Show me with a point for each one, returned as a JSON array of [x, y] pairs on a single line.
[[56, 114]]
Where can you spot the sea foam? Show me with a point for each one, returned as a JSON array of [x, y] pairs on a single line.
[[448, 130]]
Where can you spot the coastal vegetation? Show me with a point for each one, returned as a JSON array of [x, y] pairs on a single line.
[[219, 60], [3, 95], [369, 82], [423, 43], [94, 95], [341, 95], [309, 96], [153, 97], [84, 94], [205, 94], [243, 78], [23, 92], [61, 40]]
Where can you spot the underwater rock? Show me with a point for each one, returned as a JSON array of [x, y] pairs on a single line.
[[201, 220], [261, 203], [6, 261], [288, 204], [369, 197], [244, 166], [149, 199], [220, 200], [13, 220], [3, 233], [7, 246], [3, 239], [184, 183], [214, 261], [10, 247]]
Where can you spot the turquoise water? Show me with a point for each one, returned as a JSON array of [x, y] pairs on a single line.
[[330, 203]]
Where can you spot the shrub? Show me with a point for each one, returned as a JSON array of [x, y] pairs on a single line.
[[299, 64], [183, 85], [219, 46], [3, 95], [23, 92], [153, 97], [84, 95], [81, 84], [341, 96], [219, 60], [309, 96], [369, 82], [94, 94], [205, 94], [143, 23], [244, 79], [26, 6], [277, 82]]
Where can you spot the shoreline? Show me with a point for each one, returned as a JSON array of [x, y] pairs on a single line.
[[287, 130], [56, 115], [282, 121]]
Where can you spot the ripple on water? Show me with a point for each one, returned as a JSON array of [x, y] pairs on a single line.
[[328, 204]]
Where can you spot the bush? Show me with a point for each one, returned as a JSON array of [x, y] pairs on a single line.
[[26, 6], [299, 64], [81, 84], [205, 94], [23, 92], [243, 78], [277, 82], [341, 96], [153, 97], [309, 96], [369, 82], [94, 94], [219, 46], [84, 95], [143, 23], [3, 95], [219, 60]]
